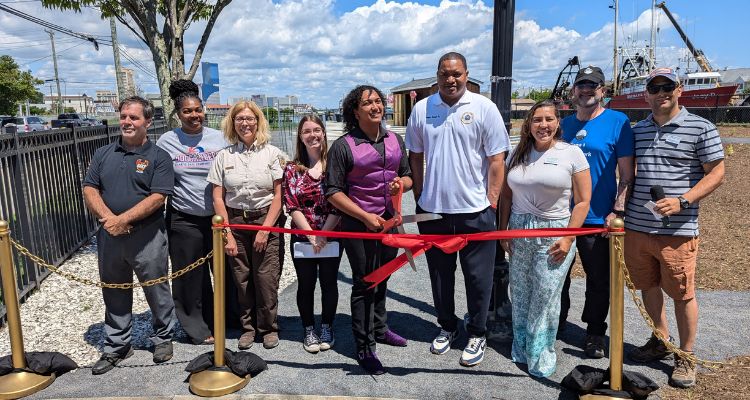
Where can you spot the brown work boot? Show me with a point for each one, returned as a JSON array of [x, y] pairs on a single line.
[[271, 340], [246, 341], [653, 350], [683, 374]]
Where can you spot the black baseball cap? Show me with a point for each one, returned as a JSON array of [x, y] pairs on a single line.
[[590, 73]]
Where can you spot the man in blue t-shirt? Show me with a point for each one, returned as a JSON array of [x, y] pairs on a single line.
[[606, 139]]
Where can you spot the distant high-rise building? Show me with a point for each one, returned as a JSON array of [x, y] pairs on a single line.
[[260, 100], [234, 100], [210, 87], [283, 102], [128, 81]]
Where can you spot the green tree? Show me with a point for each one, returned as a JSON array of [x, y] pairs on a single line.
[[541, 94], [272, 115], [34, 110], [16, 86], [161, 25], [515, 95]]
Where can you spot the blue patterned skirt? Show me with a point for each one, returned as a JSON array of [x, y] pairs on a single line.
[[535, 284]]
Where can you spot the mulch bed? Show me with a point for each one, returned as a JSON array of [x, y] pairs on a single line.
[[723, 264]]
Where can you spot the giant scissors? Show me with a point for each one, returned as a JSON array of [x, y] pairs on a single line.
[[398, 220]]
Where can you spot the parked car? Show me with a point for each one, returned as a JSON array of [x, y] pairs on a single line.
[[28, 123], [66, 119], [91, 122]]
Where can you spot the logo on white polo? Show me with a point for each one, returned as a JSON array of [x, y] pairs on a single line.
[[467, 118]]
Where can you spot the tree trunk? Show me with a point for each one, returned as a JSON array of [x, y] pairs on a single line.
[[164, 76]]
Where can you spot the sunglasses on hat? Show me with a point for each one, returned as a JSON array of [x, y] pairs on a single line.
[[666, 87]]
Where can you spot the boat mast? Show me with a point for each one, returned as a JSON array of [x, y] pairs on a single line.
[[615, 68], [651, 60]]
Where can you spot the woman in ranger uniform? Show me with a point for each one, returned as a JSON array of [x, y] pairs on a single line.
[[247, 190]]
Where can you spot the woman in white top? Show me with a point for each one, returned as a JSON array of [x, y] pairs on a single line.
[[247, 190], [543, 174]]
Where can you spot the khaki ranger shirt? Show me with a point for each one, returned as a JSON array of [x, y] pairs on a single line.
[[247, 174]]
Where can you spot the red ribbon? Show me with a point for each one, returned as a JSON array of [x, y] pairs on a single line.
[[419, 244]]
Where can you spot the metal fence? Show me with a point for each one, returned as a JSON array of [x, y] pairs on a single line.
[[283, 133], [717, 115], [40, 193]]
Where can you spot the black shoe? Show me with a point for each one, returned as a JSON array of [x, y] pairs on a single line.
[[596, 346], [653, 350], [109, 360], [163, 352]]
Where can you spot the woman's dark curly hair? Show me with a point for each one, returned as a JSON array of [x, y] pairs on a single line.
[[183, 89], [351, 102]]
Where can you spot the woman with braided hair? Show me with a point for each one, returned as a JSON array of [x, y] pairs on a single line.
[[192, 147]]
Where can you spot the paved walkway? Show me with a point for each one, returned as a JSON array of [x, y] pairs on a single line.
[[412, 371]]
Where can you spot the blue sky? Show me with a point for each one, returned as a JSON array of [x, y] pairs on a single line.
[[319, 49]]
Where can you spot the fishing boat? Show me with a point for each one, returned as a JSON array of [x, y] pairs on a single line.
[[700, 88]]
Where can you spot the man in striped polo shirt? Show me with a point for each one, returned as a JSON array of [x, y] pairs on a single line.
[[682, 154]]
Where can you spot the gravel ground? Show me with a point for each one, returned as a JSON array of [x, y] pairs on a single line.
[[69, 316]]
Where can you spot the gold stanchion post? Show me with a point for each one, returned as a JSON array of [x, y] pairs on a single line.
[[616, 312], [218, 380], [18, 383]]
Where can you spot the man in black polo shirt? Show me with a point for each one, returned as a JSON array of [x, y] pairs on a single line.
[[125, 188]]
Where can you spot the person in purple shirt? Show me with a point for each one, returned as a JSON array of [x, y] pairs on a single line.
[[365, 167]]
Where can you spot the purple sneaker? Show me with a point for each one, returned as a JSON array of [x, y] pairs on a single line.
[[370, 362], [391, 338]]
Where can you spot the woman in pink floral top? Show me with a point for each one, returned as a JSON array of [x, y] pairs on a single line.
[[304, 197]]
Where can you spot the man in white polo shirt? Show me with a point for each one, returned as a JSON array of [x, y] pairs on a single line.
[[462, 138]]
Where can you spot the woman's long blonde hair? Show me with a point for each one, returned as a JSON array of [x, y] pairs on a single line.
[[262, 132]]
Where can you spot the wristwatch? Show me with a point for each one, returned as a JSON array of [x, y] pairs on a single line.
[[684, 204]]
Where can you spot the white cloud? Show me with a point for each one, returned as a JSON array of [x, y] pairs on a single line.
[[303, 48]]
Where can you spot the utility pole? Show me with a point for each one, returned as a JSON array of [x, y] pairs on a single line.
[[57, 78], [651, 54], [502, 57], [116, 52], [615, 68]]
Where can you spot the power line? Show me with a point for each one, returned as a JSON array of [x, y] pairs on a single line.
[[49, 25]]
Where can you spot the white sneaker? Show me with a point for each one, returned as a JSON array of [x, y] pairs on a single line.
[[443, 341], [474, 351]]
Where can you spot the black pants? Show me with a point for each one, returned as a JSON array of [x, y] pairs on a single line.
[[477, 264], [189, 240], [594, 253], [309, 270], [368, 305]]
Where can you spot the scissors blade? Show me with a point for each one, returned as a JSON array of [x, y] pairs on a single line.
[[409, 219], [409, 255]]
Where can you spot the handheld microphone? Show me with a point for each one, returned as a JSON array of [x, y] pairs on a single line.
[[657, 193]]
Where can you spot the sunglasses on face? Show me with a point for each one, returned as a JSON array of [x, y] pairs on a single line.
[[587, 85], [666, 87]]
